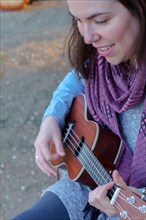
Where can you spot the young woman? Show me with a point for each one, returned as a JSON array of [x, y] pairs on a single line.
[[107, 51]]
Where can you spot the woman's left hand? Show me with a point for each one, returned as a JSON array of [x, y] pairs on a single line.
[[99, 199]]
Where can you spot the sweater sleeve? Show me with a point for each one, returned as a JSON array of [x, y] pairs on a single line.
[[62, 98]]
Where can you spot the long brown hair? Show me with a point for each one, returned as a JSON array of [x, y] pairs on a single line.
[[80, 55]]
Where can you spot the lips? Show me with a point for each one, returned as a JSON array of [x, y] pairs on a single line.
[[105, 48], [106, 51]]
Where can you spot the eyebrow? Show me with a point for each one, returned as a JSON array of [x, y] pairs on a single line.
[[92, 16]]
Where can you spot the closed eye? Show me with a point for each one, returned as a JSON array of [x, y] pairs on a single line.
[[101, 22]]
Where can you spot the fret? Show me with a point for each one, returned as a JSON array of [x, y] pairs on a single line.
[[93, 166]]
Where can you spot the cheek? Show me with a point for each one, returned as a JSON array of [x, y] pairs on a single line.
[[115, 34], [124, 34]]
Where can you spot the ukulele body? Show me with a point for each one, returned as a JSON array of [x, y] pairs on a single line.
[[105, 145]]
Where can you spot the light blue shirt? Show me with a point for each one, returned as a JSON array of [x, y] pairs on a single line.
[[62, 98]]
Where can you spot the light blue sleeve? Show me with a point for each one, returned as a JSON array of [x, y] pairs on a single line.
[[63, 96]]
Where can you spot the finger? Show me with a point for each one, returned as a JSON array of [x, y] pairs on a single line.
[[46, 152], [119, 180], [103, 190], [100, 192], [43, 170], [44, 165], [98, 198], [59, 146]]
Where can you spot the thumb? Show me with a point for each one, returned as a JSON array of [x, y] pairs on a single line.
[[119, 180]]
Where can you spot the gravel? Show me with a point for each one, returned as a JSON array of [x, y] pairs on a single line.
[[32, 65]]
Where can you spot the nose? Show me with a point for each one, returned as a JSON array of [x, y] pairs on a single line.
[[90, 34]]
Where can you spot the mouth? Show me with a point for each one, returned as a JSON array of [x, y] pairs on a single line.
[[105, 48], [106, 51]]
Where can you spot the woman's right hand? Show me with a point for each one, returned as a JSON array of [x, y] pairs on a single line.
[[49, 134]]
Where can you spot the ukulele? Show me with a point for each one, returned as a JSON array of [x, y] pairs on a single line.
[[91, 153]]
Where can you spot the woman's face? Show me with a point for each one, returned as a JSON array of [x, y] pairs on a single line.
[[108, 26]]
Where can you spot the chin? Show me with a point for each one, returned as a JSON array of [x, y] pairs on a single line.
[[114, 61]]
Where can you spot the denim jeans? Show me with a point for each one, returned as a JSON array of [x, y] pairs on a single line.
[[48, 207]]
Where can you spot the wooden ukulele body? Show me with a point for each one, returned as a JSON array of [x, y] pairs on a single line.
[[104, 144]]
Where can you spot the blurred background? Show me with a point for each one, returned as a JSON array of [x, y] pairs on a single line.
[[31, 66]]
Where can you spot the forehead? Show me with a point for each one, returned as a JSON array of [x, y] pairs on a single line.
[[85, 8]]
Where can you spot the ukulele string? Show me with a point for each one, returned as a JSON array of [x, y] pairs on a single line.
[[78, 152], [119, 208], [125, 199], [121, 195], [117, 205], [85, 156]]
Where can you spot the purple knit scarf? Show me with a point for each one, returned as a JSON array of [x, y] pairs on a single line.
[[108, 94]]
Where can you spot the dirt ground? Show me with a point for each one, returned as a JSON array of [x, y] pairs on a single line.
[[32, 65]]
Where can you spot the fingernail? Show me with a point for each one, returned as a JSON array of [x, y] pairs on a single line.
[[61, 153]]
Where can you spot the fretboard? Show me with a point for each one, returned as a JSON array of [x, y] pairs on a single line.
[[93, 166]]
